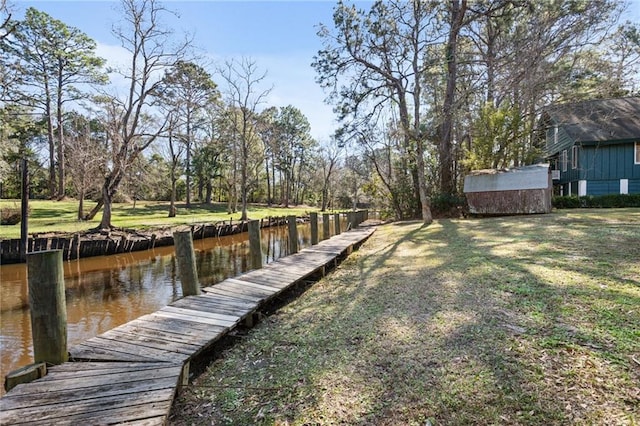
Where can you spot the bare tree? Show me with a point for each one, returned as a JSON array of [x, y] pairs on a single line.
[[381, 57], [328, 158], [83, 156], [129, 122], [243, 96]]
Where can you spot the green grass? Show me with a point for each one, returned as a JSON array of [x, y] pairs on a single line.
[[60, 216], [518, 320]]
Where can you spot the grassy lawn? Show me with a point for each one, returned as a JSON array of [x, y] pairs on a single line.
[[60, 216], [520, 320]]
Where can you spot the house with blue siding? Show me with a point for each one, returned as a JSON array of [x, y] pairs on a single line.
[[594, 146]]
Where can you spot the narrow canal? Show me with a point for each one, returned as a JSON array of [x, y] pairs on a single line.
[[107, 291]]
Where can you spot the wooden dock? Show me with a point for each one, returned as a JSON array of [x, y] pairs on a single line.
[[130, 374]]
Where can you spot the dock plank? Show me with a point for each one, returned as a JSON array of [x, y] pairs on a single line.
[[150, 340], [108, 410], [116, 350], [195, 319], [130, 374], [177, 325], [225, 292], [231, 285], [202, 303]]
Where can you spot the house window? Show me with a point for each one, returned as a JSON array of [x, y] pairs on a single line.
[[574, 157], [563, 160], [637, 149]]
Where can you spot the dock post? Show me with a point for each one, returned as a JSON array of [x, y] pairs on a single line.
[[326, 234], [185, 255], [48, 306], [255, 248], [313, 218], [336, 223], [293, 234]]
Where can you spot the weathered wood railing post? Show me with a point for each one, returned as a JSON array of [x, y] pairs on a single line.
[[313, 219], [336, 223], [255, 248], [48, 306], [185, 254], [350, 221], [293, 234], [326, 234]]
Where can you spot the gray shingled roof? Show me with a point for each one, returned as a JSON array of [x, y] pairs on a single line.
[[599, 120]]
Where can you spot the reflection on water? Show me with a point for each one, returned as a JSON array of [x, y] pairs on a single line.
[[107, 291]]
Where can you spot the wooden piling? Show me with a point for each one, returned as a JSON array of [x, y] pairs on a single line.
[[47, 306], [336, 223], [255, 248], [326, 234], [293, 234], [313, 220], [24, 211], [186, 258]]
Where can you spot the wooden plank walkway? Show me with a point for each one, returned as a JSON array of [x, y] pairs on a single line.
[[130, 374]]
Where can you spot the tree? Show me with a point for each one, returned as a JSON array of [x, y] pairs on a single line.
[[188, 90], [382, 56], [243, 97], [294, 146], [174, 154], [268, 131], [529, 55], [129, 122], [6, 27], [328, 158], [20, 132], [84, 155], [55, 60]]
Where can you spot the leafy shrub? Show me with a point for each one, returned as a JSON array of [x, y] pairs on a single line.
[[10, 216], [597, 201], [448, 205]]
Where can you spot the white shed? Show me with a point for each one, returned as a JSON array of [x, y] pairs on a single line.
[[521, 190]]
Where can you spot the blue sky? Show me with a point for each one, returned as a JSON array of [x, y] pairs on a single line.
[[280, 36]]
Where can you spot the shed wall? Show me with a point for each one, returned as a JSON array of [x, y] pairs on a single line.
[[529, 201]]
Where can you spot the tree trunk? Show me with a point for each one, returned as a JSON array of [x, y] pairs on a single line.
[[427, 218], [266, 166], [172, 204], [188, 173], [447, 184], [244, 189], [52, 150], [61, 159], [209, 188], [81, 204], [94, 211], [105, 222]]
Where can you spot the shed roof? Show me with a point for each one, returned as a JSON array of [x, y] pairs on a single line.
[[520, 178], [596, 121]]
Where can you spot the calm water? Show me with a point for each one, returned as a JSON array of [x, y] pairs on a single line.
[[107, 291]]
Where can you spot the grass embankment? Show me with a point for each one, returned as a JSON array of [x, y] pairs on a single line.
[[521, 320], [60, 216]]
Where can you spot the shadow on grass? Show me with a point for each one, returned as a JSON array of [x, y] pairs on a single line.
[[462, 322]]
